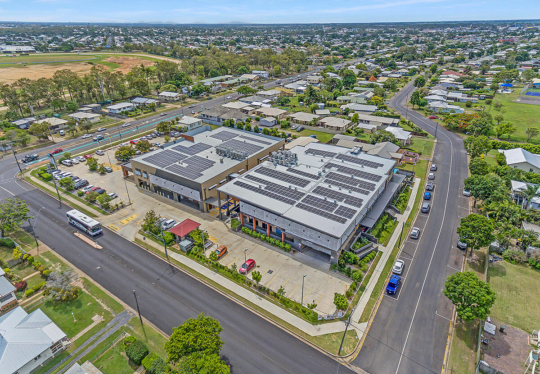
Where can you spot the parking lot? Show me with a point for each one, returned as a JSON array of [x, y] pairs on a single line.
[[278, 269]]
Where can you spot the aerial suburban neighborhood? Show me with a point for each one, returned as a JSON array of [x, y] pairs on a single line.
[[297, 197]]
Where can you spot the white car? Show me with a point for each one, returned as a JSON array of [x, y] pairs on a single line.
[[87, 188], [466, 193], [67, 163], [86, 136], [113, 195], [415, 233], [74, 161], [100, 152], [80, 159], [431, 176], [398, 267], [101, 129], [126, 124], [228, 97]]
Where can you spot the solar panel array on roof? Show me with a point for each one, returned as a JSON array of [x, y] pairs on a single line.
[[261, 191], [317, 202], [255, 139], [356, 173], [338, 196], [351, 181], [165, 158], [242, 146], [282, 176], [193, 168], [359, 161], [303, 173], [346, 186], [193, 150], [224, 135], [321, 213], [318, 152], [277, 188], [345, 212]]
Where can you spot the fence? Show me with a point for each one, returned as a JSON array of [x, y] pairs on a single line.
[[107, 347]]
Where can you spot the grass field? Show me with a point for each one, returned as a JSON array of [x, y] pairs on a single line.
[[323, 137], [47, 58], [464, 345], [516, 287], [421, 145]]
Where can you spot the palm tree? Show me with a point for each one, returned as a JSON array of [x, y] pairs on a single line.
[[528, 194]]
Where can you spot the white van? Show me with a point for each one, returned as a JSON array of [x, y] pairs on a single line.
[[168, 224]]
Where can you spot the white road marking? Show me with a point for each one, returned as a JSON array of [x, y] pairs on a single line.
[[443, 317], [453, 268], [20, 186], [12, 194]]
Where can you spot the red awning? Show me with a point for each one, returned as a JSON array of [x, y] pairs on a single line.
[[184, 227]]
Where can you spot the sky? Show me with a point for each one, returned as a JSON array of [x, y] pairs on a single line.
[[264, 11]]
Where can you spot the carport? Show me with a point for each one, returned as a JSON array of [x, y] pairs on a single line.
[[184, 228]]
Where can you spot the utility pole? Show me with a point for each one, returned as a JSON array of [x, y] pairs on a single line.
[[34, 229], [16, 160], [54, 181], [245, 259], [302, 300], [164, 242], [140, 317]]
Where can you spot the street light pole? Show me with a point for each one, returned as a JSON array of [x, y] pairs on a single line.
[[16, 160], [164, 243], [34, 229], [54, 181], [302, 300], [245, 260], [140, 317]]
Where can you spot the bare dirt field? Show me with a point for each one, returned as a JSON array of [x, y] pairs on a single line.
[[36, 71], [128, 62]]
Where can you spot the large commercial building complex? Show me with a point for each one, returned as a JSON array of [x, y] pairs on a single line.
[[317, 195], [190, 169]]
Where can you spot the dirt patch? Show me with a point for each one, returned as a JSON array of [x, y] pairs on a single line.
[[36, 71], [127, 63]]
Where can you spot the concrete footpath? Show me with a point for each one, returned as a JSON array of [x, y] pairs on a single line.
[[306, 327]]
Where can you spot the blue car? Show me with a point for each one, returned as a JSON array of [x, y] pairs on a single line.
[[427, 195], [393, 285]]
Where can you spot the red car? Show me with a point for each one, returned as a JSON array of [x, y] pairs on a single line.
[[247, 266], [93, 189], [133, 141], [57, 150], [87, 156], [432, 117]]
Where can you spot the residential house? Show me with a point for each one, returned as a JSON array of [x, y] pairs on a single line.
[[301, 141], [268, 121], [336, 138], [519, 158], [435, 98], [403, 136], [270, 94], [249, 77], [361, 108], [334, 123], [235, 105], [271, 112], [517, 189], [85, 117], [314, 79], [7, 293], [441, 107], [27, 341], [216, 116], [322, 112], [120, 107], [190, 122], [303, 118], [254, 99], [383, 149], [169, 96], [144, 101], [24, 123], [260, 73], [376, 120], [86, 368], [54, 123]]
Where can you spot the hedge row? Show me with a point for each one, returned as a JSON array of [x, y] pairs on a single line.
[[29, 292], [498, 144], [7, 242], [278, 243]]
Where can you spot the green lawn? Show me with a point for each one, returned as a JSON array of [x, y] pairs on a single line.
[[331, 342], [46, 57], [421, 145], [464, 344], [5, 253], [34, 280], [156, 341], [516, 288], [490, 157], [323, 137], [83, 308], [115, 361], [50, 260], [99, 294], [23, 269]]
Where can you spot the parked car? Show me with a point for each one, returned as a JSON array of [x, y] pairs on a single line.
[[87, 188], [108, 169], [67, 163], [74, 161], [101, 129], [62, 132], [415, 233], [229, 97], [81, 183], [81, 158], [432, 117], [93, 189], [30, 158], [133, 141], [87, 157], [398, 267], [300, 128], [426, 207], [466, 193], [247, 266], [86, 136], [462, 245], [100, 191], [98, 137], [430, 186], [431, 176], [126, 124], [433, 167], [427, 195], [113, 195], [393, 284], [100, 152], [293, 127], [220, 252], [57, 150], [167, 224]]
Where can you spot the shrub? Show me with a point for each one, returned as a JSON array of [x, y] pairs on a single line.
[[357, 276], [21, 286], [127, 341], [7, 242], [29, 292], [42, 268], [515, 256], [39, 286], [25, 256], [37, 265], [17, 253], [149, 360], [340, 301], [30, 259], [46, 177], [235, 223], [136, 352], [46, 272], [158, 366], [80, 193]]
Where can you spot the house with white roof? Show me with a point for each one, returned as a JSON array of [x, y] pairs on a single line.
[[120, 107], [7, 293], [518, 158], [443, 107], [403, 136], [169, 96], [517, 194], [27, 341]]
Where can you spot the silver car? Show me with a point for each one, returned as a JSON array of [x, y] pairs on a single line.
[[431, 176], [398, 267], [415, 233]]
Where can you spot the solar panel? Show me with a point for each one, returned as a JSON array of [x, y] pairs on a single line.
[[345, 212], [277, 188], [357, 173], [359, 161], [192, 168], [338, 196], [255, 139], [321, 213], [303, 173], [320, 203], [282, 176], [346, 186], [242, 146], [318, 152], [193, 150], [184, 171], [351, 181], [165, 158], [264, 192], [224, 135]]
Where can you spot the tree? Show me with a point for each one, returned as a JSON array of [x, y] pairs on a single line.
[[169, 88], [480, 125], [476, 231], [124, 152], [59, 285], [86, 126], [256, 275], [150, 222], [354, 118], [283, 101], [420, 81], [199, 335], [246, 90], [415, 98], [91, 196], [92, 164], [472, 297], [12, 213], [340, 301], [483, 187], [242, 70], [199, 237], [39, 129], [505, 128], [198, 363], [532, 132], [143, 146], [477, 146], [277, 71], [478, 166], [104, 200], [67, 183], [530, 192], [499, 118], [349, 79], [501, 159], [71, 106]]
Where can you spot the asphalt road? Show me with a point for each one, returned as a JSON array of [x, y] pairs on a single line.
[[409, 331]]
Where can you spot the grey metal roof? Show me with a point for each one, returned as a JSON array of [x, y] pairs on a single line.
[[5, 286]]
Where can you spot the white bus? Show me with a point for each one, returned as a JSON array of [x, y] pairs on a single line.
[[83, 222]]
